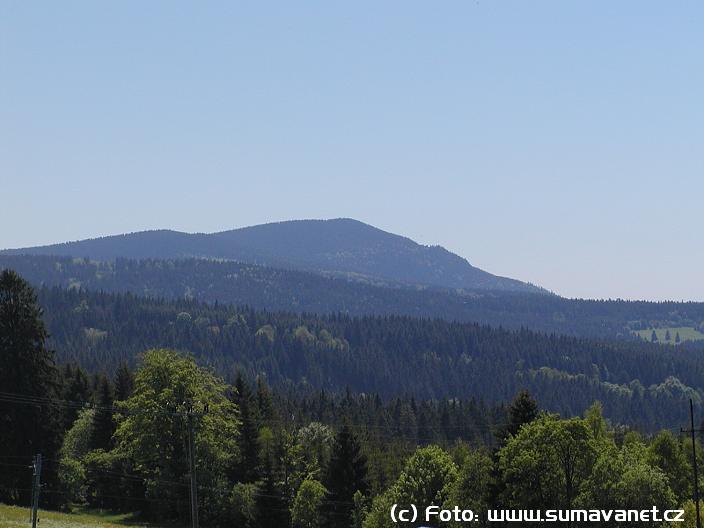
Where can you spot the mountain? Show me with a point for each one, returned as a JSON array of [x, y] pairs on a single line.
[[342, 247]]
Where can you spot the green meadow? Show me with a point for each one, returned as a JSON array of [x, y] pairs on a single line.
[[687, 333], [16, 517]]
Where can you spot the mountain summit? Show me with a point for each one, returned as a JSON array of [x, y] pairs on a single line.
[[340, 246]]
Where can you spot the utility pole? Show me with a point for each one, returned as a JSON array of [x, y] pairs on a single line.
[[692, 431], [34, 478], [36, 486], [192, 464]]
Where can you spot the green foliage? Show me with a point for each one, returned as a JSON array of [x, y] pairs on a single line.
[[472, 488], [72, 476], [547, 462], [360, 509], [151, 429], [76, 445], [597, 425], [267, 331], [243, 505], [315, 441], [105, 486], [690, 516], [624, 479], [302, 333], [642, 486], [77, 441], [427, 478], [305, 511], [665, 452], [378, 516]]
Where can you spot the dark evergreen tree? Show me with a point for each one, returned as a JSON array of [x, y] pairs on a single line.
[[264, 403], [124, 382], [653, 337], [77, 392], [347, 474], [246, 470], [272, 508], [103, 423], [28, 384], [272, 502], [523, 410]]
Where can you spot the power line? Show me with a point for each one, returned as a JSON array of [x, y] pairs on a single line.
[[37, 400]]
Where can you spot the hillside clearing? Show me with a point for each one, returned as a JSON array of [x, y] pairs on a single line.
[[687, 333]]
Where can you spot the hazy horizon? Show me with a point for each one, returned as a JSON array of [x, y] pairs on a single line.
[[559, 144]]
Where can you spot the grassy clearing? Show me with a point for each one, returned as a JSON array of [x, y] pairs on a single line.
[[15, 517], [687, 333]]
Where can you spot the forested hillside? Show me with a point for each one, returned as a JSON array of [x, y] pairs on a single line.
[[342, 246], [288, 290], [639, 383]]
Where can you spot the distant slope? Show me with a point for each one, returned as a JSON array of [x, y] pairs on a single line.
[[301, 291], [342, 246], [639, 383]]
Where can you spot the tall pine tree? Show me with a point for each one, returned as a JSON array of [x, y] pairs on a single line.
[[76, 390], [28, 383], [523, 410], [347, 474], [103, 423], [124, 382], [246, 469]]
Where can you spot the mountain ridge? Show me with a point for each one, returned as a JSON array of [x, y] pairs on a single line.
[[342, 246]]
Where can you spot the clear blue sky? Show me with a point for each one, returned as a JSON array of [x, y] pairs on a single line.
[[556, 142]]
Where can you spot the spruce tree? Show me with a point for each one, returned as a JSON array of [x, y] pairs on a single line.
[[246, 470], [76, 391], [264, 401], [103, 423], [28, 384], [523, 410], [272, 502], [124, 382], [347, 474]]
